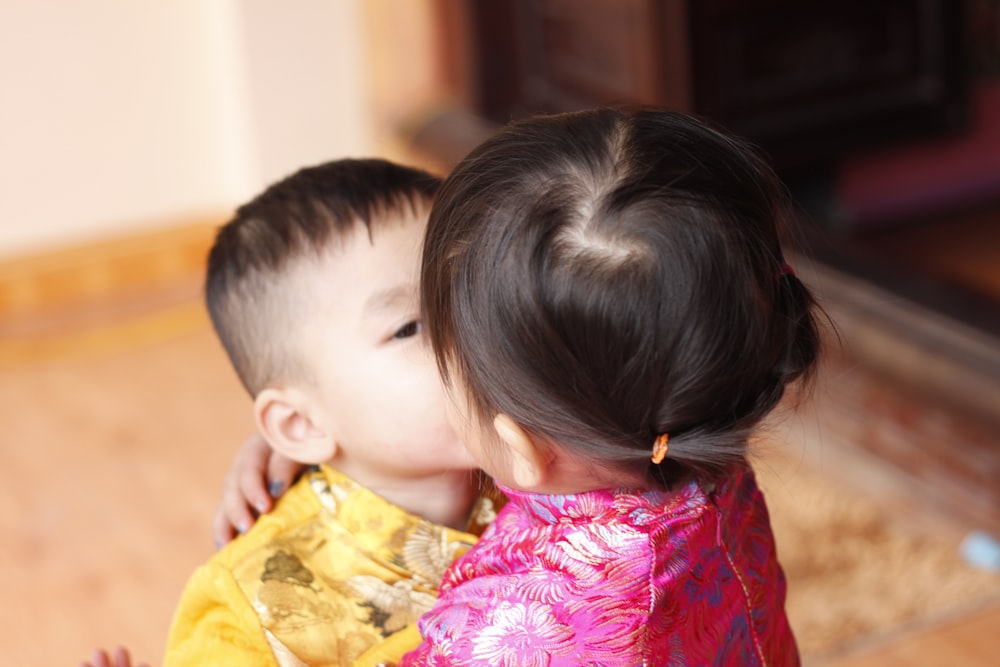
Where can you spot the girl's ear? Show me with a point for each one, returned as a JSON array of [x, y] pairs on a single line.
[[287, 420], [530, 459]]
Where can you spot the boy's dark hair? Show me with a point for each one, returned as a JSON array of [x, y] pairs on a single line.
[[607, 276], [302, 216]]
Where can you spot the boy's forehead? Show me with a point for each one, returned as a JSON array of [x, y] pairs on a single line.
[[336, 294], [392, 297], [379, 266], [381, 221], [414, 212]]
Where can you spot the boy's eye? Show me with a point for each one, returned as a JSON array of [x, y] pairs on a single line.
[[408, 330]]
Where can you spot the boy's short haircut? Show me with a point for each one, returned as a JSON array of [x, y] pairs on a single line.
[[300, 217]]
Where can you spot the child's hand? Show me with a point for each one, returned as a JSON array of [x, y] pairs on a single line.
[[258, 476], [119, 658]]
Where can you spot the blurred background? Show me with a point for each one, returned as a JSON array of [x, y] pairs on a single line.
[[130, 130]]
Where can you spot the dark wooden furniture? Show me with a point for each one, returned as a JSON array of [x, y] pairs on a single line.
[[806, 79], [809, 81]]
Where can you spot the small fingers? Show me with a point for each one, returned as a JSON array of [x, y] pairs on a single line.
[[242, 487], [281, 473], [250, 468], [256, 478], [223, 531], [122, 657], [252, 491], [99, 658], [233, 516]]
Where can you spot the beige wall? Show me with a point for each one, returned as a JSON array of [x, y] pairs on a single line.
[[119, 115]]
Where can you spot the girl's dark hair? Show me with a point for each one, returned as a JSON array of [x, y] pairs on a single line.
[[606, 276], [302, 215]]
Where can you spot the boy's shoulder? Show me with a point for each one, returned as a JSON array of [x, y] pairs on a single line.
[[335, 565], [328, 527]]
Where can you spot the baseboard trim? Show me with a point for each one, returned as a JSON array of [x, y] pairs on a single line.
[[104, 270], [98, 341], [93, 299]]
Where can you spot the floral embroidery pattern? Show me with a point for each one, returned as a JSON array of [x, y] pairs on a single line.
[[335, 583], [617, 578]]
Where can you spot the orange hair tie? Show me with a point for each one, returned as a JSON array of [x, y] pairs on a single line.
[[660, 448]]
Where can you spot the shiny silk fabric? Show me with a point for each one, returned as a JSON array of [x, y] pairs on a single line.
[[617, 578], [335, 575]]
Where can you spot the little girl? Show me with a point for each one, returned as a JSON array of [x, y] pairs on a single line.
[[609, 305]]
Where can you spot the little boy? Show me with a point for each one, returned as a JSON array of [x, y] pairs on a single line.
[[313, 290]]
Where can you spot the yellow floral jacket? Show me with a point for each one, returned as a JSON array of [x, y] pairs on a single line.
[[334, 575]]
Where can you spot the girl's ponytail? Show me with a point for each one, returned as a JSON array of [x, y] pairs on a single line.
[[797, 306]]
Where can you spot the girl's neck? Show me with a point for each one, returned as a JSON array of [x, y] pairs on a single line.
[[565, 475]]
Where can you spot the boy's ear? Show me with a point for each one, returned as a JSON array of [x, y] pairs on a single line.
[[287, 420], [530, 459]]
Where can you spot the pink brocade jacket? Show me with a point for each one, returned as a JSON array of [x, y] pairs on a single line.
[[617, 578]]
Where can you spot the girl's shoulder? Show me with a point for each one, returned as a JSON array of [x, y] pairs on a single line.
[[660, 515], [636, 507]]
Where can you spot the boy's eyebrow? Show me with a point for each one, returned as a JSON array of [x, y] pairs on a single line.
[[389, 298]]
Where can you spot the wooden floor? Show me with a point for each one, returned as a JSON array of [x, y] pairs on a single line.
[[959, 250], [108, 491], [969, 640], [111, 467]]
